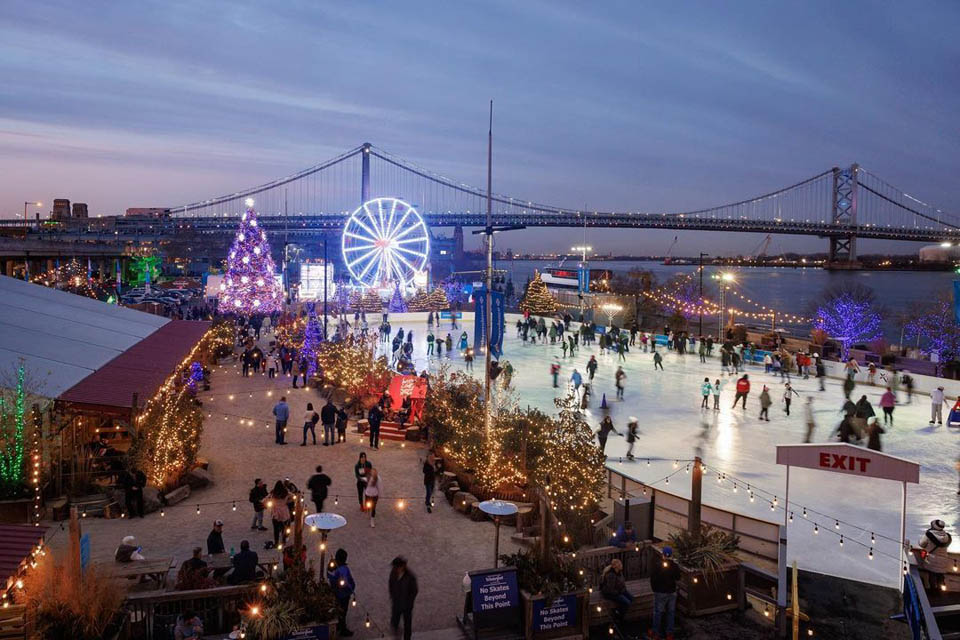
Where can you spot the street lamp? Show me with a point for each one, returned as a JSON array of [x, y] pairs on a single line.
[[583, 266], [27, 204], [725, 276]]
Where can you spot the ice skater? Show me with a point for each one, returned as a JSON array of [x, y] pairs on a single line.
[[705, 389], [808, 418], [765, 403], [592, 367], [631, 436], [657, 361], [716, 394], [743, 390], [619, 377], [606, 426], [788, 393], [555, 373], [937, 400]]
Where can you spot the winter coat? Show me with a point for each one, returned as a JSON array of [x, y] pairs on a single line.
[[706, 388], [765, 400]]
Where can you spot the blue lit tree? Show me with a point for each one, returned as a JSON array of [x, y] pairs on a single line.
[[937, 328], [312, 337], [849, 315]]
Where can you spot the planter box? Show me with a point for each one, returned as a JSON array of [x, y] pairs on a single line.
[[565, 617], [16, 511], [697, 598]]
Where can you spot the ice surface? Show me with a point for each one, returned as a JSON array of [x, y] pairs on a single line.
[[734, 441]]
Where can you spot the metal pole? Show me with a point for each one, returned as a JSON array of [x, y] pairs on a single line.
[[488, 315], [326, 274], [701, 294], [903, 532], [496, 544]]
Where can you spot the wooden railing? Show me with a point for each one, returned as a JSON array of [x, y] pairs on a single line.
[[636, 561], [153, 615]]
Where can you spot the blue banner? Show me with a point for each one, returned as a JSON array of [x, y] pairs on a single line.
[[911, 608], [583, 280], [497, 304], [956, 301], [561, 613]]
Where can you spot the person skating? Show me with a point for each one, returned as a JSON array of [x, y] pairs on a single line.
[[606, 426], [632, 433], [657, 361], [555, 373], [821, 372], [281, 411], [592, 367], [620, 376], [788, 393], [937, 400], [257, 495], [664, 576], [702, 350], [705, 390], [341, 579], [888, 403], [848, 386], [319, 485], [402, 586], [717, 384], [874, 431], [907, 380], [765, 403], [743, 390], [808, 418]]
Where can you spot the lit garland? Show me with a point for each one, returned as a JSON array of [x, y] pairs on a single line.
[[249, 286], [12, 435], [537, 300], [73, 278], [571, 470], [437, 300], [419, 301], [36, 456], [352, 365]]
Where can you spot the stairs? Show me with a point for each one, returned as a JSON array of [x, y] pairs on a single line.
[[389, 430]]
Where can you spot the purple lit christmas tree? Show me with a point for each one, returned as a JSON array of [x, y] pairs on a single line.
[[312, 337], [249, 286], [397, 303]]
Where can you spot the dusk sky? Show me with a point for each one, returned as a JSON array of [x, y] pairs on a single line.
[[614, 105]]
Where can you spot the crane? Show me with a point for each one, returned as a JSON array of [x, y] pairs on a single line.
[[666, 258], [761, 250]]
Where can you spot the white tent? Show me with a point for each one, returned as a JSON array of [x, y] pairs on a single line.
[[61, 337]]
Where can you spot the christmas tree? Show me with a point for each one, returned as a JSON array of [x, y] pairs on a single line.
[[312, 337], [397, 303], [11, 437], [371, 302], [249, 286], [437, 300], [537, 300], [419, 301]]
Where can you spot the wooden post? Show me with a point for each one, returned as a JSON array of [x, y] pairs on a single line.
[[73, 548], [795, 603], [696, 490], [298, 529]]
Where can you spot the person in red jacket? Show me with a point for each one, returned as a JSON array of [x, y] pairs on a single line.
[[743, 390]]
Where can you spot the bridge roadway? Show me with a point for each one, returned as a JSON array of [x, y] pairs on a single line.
[[122, 229]]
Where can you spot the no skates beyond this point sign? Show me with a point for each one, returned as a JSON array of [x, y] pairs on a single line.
[[846, 458]]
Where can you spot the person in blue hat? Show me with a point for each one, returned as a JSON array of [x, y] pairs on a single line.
[[663, 582]]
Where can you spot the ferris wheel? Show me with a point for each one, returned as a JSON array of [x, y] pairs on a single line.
[[385, 241]]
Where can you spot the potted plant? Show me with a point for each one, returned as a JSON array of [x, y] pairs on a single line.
[[553, 593], [709, 563], [295, 601]]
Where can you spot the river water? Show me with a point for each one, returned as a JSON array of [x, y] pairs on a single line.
[[786, 289]]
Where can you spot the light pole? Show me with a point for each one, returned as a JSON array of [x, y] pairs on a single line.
[[700, 306], [723, 277], [583, 266], [27, 204]]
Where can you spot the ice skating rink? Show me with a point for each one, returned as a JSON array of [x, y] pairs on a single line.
[[735, 442]]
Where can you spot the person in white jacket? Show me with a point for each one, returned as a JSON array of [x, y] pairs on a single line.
[[937, 401]]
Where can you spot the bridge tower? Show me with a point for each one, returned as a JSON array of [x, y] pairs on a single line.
[[843, 248], [365, 173]]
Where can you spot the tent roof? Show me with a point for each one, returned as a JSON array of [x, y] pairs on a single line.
[[18, 540], [62, 337]]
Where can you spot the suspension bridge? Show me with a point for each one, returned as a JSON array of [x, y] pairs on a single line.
[[840, 205]]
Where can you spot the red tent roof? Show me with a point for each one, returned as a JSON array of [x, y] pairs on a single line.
[[16, 543], [141, 369]]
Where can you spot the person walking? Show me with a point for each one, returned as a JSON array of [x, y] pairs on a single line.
[[705, 390], [402, 586], [328, 418], [664, 576], [341, 425], [295, 369], [888, 402], [874, 431], [808, 418], [371, 493], [717, 384], [281, 411], [133, 481], [632, 434], [743, 390], [657, 360], [360, 473], [788, 393], [310, 418], [429, 480], [765, 403], [374, 418], [279, 512], [619, 377], [319, 484], [606, 426], [937, 400], [257, 495], [341, 579]]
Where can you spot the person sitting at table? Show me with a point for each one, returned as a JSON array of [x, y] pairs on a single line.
[[244, 565], [194, 573], [128, 551], [189, 625], [215, 538], [624, 535]]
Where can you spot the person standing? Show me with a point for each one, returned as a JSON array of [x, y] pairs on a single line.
[[371, 493], [360, 473], [657, 360], [937, 401], [328, 417], [888, 402], [430, 339], [215, 538], [341, 579], [765, 403], [717, 384], [702, 350], [743, 390], [341, 425], [705, 390], [606, 426], [133, 481], [788, 393], [664, 576], [429, 480], [403, 593], [257, 495], [374, 418], [295, 369], [319, 485], [281, 411], [310, 418], [808, 418], [279, 512]]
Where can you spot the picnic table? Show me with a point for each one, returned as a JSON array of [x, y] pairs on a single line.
[[267, 560], [150, 569]]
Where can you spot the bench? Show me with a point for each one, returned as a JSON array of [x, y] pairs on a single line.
[[602, 609]]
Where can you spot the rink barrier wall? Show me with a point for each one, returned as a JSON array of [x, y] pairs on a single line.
[[759, 539]]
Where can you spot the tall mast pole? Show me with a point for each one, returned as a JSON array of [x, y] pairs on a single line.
[[488, 313]]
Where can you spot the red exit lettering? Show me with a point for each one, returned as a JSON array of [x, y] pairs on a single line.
[[847, 463]]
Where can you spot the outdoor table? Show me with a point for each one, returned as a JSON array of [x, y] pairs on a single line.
[[151, 569], [266, 561]]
